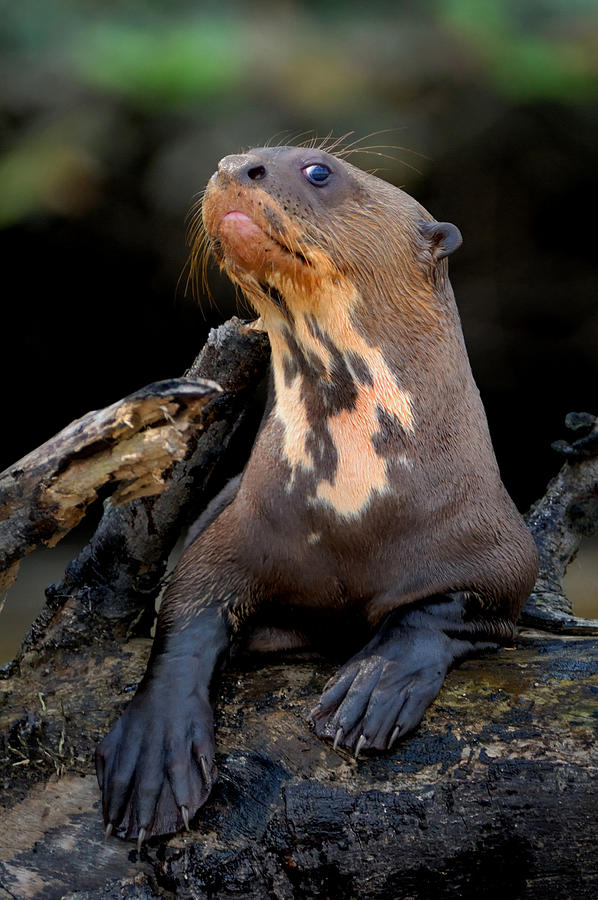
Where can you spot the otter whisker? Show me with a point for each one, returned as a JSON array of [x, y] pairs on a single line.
[[298, 136], [373, 465], [366, 137], [271, 141], [398, 147], [329, 144], [197, 264]]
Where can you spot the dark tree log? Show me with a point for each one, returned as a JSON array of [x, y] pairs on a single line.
[[559, 521], [116, 578], [129, 445], [494, 794]]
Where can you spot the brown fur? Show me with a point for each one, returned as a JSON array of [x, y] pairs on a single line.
[[371, 508], [414, 505]]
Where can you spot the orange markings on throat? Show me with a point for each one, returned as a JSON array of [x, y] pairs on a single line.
[[360, 473], [317, 317]]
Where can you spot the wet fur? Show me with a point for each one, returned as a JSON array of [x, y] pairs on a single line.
[[368, 357], [372, 499]]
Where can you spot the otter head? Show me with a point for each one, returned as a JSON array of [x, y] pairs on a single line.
[[299, 229], [348, 275]]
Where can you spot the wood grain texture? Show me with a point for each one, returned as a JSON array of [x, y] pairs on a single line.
[[129, 446], [559, 521], [115, 580], [495, 793]]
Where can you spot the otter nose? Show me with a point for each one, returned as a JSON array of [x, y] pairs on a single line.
[[242, 168]]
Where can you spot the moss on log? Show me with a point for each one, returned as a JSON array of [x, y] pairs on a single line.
[[494, 795]]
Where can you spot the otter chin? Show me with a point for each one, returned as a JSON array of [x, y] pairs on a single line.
[[246, 244], [371, 515]]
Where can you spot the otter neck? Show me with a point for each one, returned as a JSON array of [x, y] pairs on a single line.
[[334, 397], [317, 343]]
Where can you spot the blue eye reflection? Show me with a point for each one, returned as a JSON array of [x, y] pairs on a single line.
[[317, 174]]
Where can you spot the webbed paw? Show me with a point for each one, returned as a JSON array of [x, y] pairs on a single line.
[[374, 700], [156, 767]]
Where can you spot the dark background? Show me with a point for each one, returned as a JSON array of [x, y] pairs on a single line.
[[113, 116]]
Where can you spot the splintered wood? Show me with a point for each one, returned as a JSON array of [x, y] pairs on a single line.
[[124, 449]]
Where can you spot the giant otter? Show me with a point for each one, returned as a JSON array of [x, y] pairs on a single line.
[[372, 499]]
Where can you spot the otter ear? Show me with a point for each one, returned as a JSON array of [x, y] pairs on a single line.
[[443, 237]]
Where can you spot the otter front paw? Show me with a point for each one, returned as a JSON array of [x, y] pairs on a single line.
[[156, 767], [381, 695]]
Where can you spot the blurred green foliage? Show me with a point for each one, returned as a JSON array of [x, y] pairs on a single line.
[[532, 49], [113, 114], [164, 66], [290, 65]]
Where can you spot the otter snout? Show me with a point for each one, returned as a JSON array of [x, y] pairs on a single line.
[[242, 168]]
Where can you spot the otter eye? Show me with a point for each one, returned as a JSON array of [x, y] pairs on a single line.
[[317, 174]]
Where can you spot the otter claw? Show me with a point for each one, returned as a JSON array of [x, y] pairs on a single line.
[[360, 745], [140, 839], [337, 738], [108, 831], [394, 736], [204, 769], [185, 815]]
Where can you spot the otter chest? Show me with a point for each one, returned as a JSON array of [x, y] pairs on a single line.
[[342, 413]]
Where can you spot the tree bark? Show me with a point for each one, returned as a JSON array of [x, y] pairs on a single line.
[[115, 580], [559, 521], [129, 446], [494, 794]]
